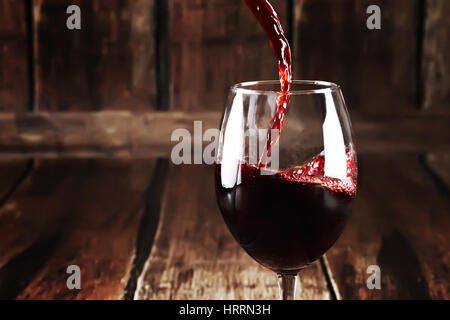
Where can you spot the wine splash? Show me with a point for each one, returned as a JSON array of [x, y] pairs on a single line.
[[269, 21], [314, 172]]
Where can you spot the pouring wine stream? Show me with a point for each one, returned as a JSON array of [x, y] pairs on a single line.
[[269, 21]]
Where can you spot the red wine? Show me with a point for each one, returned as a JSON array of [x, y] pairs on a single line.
[[269, 21], [288, 219]]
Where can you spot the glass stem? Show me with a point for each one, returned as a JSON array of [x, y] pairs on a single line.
[[287, 284]]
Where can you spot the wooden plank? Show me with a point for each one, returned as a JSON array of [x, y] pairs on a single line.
[[400, 222], [125, 134], [212, 45], [121, 134], [435, 63], [195, 256], [375, 68], [436, 77], [108, 64], [11, 173], [14, 73], [440, 164], [82, 212]]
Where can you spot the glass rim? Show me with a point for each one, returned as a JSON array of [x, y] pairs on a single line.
[[323, 87]]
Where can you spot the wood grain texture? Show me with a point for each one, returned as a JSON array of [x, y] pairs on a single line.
[[126, 134], [14, 73], [400, 222], [375, 68], [82, 212], [108, 64], [214, 44], [195, 256], [435, 62]]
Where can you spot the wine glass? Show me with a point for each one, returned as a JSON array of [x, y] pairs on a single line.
[[285, 176]]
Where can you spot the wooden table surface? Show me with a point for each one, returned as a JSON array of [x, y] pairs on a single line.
[[146, 229]]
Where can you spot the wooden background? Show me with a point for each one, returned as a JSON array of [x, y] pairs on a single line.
[[85, 123]]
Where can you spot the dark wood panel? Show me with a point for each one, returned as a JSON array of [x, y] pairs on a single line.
[[195, 256], [108, 64], [124, 134], [435, 62], [14, 73], [213, 45], [82, 212], [400, 222], [377, 69]]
